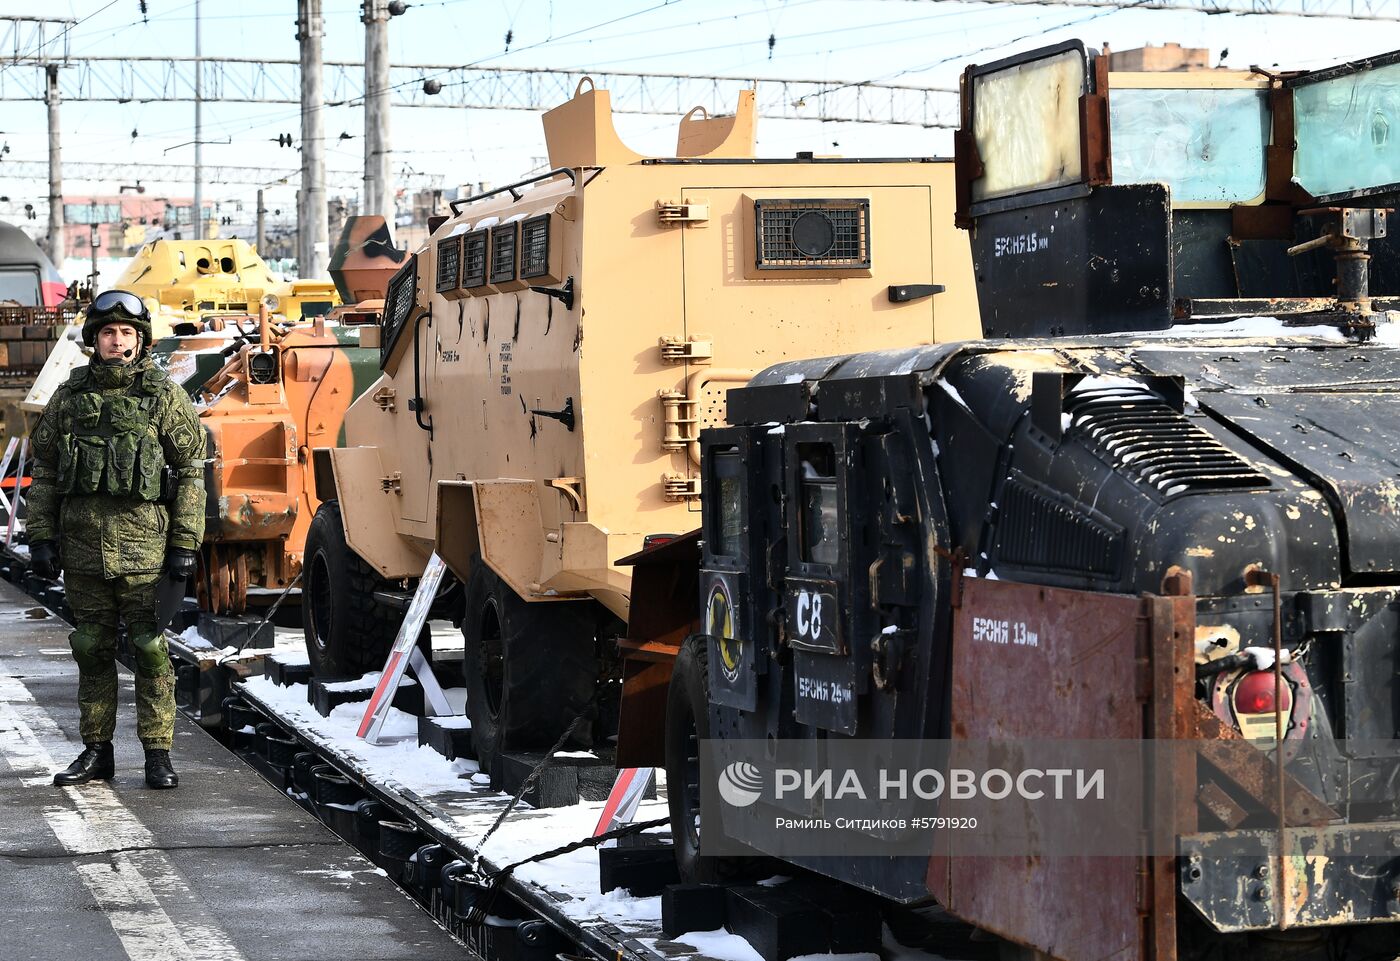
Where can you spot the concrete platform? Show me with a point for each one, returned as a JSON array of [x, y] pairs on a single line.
[[225, 868]]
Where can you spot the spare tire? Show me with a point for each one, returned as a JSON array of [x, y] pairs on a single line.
[[347, 631], [531, 669]]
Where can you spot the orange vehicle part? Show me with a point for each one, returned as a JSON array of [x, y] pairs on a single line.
[[272, 402]]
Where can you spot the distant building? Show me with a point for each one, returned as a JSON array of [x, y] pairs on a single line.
[[1169, 57], [125, 221]]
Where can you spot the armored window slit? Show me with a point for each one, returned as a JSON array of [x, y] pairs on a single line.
[[449, 263]]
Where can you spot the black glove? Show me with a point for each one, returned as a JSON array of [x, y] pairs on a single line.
[[180, 563], [44, 560]]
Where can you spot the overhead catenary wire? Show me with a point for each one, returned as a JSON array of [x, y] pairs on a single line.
[[359, 100]]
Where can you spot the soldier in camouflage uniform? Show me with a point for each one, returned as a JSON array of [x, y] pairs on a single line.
[[117, 502]]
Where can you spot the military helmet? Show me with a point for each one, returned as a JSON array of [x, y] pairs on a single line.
[[117, 307]]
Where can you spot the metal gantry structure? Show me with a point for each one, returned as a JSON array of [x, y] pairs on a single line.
[[157, 173], [1330, 9], [30, 41], [249, 80], [35, 40], [36, 64]]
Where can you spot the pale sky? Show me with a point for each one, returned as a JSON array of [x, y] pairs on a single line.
[[917, 42]]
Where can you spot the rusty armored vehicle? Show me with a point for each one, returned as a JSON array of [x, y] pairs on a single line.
[[1137, 513], [549, 358], [190, 287], [272, 366], [272, 372]]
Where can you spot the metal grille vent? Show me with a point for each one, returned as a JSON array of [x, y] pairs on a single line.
[[812, 234], [474, 259], [503, 242], [534, 247], [398, 305], [449, 260], [1150, 442], [1044, 530]]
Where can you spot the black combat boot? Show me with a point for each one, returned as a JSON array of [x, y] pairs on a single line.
[[94, 764], [159, 773]]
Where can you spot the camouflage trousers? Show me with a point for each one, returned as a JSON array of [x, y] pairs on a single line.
[[98, 604]]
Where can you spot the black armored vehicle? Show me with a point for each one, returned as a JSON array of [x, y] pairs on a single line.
[[1158, 505]]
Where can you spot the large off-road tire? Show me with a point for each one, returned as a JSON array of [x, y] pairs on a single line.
[[687, 724], [531, 669], [347, 632]]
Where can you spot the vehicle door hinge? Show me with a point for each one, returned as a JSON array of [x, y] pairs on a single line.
[[392, 484], [697, 349], [384, 398], [678, 487], [672, 212], [680, 423]]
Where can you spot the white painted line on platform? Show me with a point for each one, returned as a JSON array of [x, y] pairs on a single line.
[[123, 886]]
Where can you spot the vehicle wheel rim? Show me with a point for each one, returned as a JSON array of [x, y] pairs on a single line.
[[318, 587], [491, 659]]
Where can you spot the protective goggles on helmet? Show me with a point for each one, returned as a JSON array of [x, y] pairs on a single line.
[[118, 302]]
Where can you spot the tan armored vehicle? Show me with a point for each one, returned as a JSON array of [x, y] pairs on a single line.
[[549, 357]]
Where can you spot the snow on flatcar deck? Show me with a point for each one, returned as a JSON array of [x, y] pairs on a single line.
[[453, 799], [454, 802]]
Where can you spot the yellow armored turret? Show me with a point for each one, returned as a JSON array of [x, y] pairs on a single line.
[[225, 276]]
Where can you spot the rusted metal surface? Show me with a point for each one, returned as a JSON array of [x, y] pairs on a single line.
[[662, 614], [967, 162], [1262, 222], [1171, 623], [1079, 680], [1280, 187], [663, 588], [1304, 310], [1093, 119], [1339, 874], [1250, 770], [261, 488], [641, 726]]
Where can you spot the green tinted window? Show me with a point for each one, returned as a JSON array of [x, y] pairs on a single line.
[[1348, 131], [1206, 145]]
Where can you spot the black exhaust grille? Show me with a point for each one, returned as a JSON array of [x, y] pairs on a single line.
[[1041, 529], [812, 234], [1152, 443], [449, 254]]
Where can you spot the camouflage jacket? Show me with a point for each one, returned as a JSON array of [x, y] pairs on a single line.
[[101, 450]]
